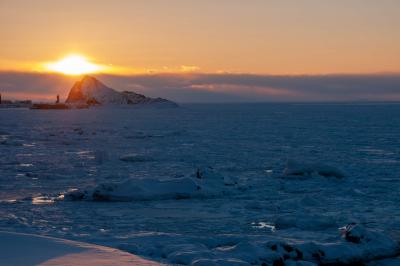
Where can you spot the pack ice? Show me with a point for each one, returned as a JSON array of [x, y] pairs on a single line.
[[209, 184]]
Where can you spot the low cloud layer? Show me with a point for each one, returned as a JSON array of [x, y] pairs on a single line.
[[218, 87]]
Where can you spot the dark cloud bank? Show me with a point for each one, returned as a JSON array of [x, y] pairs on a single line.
[[221, 87]]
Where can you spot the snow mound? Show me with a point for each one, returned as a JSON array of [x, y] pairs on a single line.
[[300, 169], [205, 183]]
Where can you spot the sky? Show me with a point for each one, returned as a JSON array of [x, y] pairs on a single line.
[[207, 51]]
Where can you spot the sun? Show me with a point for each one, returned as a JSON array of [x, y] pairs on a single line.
[[74, 65]]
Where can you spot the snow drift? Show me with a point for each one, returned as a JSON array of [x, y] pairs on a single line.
[[24, 250]]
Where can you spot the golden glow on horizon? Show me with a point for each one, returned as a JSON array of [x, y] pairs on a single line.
[[256, 37], [74, 65]]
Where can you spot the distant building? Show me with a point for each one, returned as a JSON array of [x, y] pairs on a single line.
[[14, 104], [27, 102]]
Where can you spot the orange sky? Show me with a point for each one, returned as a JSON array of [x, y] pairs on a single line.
[[258, 36]]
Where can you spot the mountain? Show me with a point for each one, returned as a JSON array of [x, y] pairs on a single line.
[[91, 91]]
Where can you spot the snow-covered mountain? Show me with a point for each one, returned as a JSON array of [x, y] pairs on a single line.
[[89, 90]]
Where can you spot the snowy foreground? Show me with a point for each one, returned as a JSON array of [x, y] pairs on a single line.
[[273, 184], [25, 250]]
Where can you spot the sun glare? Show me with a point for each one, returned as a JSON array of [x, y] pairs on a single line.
[[74, 65]]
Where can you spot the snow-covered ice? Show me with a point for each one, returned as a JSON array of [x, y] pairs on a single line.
[[30, 250], [283, 184]]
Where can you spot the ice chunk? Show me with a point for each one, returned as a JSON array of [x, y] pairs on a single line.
[[360, 245], [185, 257], [374, 243], [357, 247], [251, 252], [295, 168]]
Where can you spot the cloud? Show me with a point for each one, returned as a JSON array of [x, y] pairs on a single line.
[[246, 87], [189, 68], [19, 85], [224, 87]]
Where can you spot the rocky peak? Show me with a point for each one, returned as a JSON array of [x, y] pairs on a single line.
[[90, 90]]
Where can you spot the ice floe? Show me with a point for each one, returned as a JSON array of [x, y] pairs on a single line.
[[204, 183]]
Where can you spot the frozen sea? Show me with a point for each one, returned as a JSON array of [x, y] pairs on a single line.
[[45, 153]]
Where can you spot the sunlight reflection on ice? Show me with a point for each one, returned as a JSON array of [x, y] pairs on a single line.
[[25, 165], [263, 225], [42, 200], [28, 144]]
